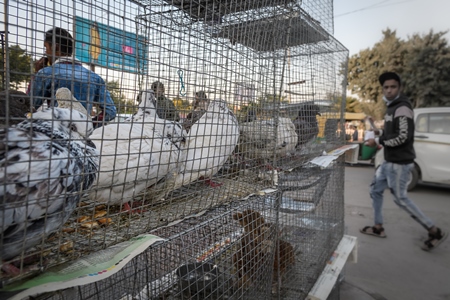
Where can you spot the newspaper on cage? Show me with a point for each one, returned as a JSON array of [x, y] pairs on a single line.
[[95, 267], [325, 160]]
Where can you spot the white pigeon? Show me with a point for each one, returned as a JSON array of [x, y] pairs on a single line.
[[45, 165], [70, 102], [136, 154], [211, 140], [261, 139]]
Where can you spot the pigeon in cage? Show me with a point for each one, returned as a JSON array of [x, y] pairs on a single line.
[[199, 108], [136, 154], [261, 139], [70, 102], [306, 123], [211, 140], [19, 105], [46, 162], [257, 245]]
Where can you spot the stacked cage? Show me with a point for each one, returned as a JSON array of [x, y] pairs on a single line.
[[194, 121]]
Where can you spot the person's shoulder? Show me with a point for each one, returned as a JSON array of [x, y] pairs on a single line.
[[94, 76], [404, 109], [45, 71]]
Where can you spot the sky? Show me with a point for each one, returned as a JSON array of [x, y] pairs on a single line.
[[359, 24]]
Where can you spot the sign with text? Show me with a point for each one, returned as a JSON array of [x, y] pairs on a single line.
[[109, 47]]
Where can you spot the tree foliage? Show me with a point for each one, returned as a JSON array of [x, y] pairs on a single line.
[[19, 64], [123, 105], [422, 61]]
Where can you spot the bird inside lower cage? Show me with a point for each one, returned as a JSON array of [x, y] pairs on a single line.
[[46, 164], [258, 246]]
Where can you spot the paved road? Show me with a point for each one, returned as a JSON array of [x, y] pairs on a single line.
[[396, 268]]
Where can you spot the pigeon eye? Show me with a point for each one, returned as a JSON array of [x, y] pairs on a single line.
[[73, 127]]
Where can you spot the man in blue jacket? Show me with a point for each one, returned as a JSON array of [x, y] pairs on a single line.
[[60, 69], [398, 141]]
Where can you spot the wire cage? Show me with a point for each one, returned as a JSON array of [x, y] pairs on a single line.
[[195, 121]]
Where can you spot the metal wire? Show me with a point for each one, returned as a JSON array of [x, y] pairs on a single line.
[[214, 104]]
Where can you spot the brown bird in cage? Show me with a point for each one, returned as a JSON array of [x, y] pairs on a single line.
[[45, 165], [257, 246], [19, 105], [198, 110]]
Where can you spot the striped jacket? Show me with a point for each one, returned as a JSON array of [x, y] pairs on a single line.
[[398, 134]]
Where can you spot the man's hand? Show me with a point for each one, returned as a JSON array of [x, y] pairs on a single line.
[[371, 143]]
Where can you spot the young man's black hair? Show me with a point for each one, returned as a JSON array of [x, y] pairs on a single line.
[[388, 76], [62, 38]]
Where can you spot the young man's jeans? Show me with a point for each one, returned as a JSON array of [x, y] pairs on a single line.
[[395, 176]]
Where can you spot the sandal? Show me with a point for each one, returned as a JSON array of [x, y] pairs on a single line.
[[434, 240], [372, 230]]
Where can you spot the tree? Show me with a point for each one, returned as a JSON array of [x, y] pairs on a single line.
[[427, 70], [423, 62], [365, 67], [19, 64], [123, 105]]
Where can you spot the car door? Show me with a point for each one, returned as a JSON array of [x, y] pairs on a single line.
[[432, 145]]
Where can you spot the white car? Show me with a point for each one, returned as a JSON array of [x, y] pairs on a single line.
[[432, 145]]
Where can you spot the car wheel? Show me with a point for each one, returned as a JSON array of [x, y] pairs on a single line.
[[414, 178]]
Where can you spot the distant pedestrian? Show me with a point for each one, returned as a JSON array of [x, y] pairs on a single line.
[[397, 139], [355, 134]]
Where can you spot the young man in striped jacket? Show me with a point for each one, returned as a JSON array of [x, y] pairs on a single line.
[[398, 141]]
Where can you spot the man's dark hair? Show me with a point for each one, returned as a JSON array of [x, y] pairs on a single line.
[[389, 76], [62, 38]]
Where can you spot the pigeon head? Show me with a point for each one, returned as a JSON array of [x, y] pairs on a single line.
[[147, 100], [69, 121], [201, 100], [65, 99], [19, 105], [158, 88]]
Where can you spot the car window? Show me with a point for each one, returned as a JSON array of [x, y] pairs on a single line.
[[440, 123], [422, 123], [433, 123]]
